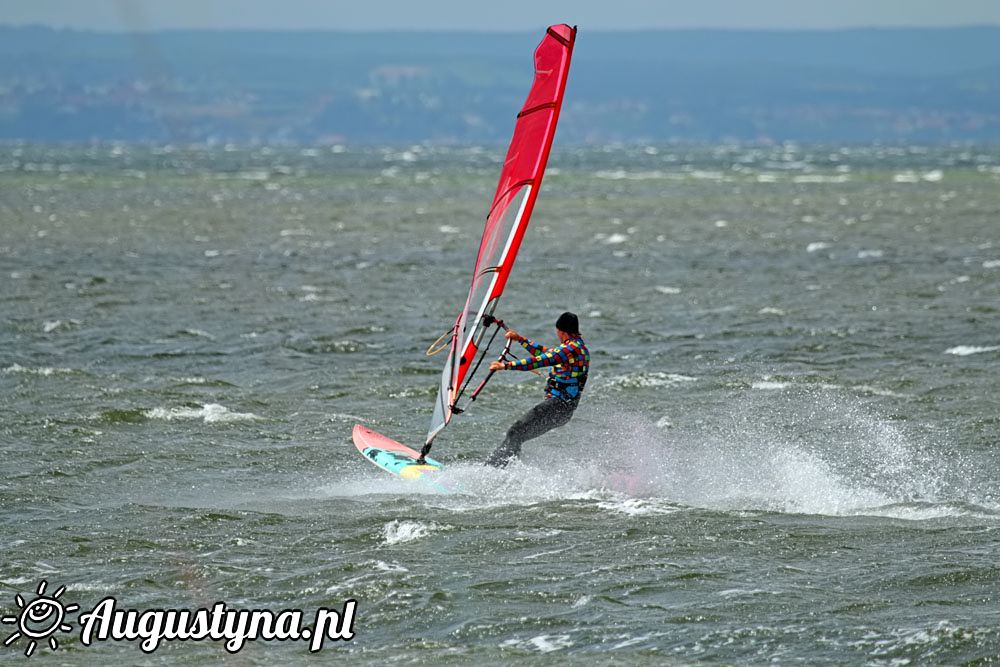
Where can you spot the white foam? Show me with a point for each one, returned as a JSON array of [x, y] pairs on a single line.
[[44, 371], [541, 643], [704, 175], [924, 511], [770, 311], [910, 176], [348, 583], [870, 254], [741, 592], [991, 264], [632, 641], [398, 531], [198, 333], [638, 506], [345, 416], [821, 178], [376, 483], [664, 289], [209, 413], [966, 350], [769, 385], [903, 640], [876, 391], [621, 174], [548, 553], [650, 379], [389, 567], [92, 587], [817, 246]]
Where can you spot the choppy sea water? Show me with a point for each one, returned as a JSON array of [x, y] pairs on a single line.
[[786, 453]]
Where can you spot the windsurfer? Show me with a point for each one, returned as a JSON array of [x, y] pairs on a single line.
[[570, 363]]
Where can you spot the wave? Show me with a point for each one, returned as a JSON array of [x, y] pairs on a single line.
[[397, 532], [966, 350], [209, 413], [43, 371]]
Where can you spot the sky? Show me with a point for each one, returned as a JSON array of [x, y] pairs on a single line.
[[500, 15]]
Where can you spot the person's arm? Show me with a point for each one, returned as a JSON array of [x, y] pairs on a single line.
[[563, 354], [532, 347]]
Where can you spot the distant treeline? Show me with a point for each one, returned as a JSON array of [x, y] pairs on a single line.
[[849, 86]]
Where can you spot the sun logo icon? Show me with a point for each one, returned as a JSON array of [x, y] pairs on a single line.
[[39, 619]]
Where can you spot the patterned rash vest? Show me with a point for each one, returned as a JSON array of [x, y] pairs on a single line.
[[570, 363]]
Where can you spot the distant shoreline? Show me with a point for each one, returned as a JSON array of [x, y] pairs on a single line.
[[932, 86]]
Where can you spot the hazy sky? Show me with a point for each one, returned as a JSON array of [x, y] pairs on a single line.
[[517, 15]]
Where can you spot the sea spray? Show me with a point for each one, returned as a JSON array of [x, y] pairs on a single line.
[[803, 450]]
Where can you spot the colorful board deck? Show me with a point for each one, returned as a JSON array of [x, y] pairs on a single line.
[[390, 455]]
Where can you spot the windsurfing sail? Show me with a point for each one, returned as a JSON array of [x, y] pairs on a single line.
[[520, 180]]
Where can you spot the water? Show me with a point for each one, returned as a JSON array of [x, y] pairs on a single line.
[[786, 452]]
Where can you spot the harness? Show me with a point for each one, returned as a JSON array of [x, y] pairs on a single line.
[[566, 389]]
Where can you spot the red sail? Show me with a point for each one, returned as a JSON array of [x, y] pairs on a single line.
[[520, 180]]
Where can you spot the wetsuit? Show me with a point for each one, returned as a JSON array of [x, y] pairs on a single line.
[[570, 363]]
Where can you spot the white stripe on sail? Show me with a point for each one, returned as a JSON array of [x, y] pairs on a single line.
[[449, 375], [496, 276]]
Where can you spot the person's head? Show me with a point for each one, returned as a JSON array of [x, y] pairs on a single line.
[[567, 326]]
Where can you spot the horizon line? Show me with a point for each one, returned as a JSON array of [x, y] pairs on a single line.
[[482, 31]]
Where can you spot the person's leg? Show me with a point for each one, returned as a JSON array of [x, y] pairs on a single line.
[[542, 418]]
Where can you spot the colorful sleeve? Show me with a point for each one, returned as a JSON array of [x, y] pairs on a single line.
[[533, 348], [550, 357]]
